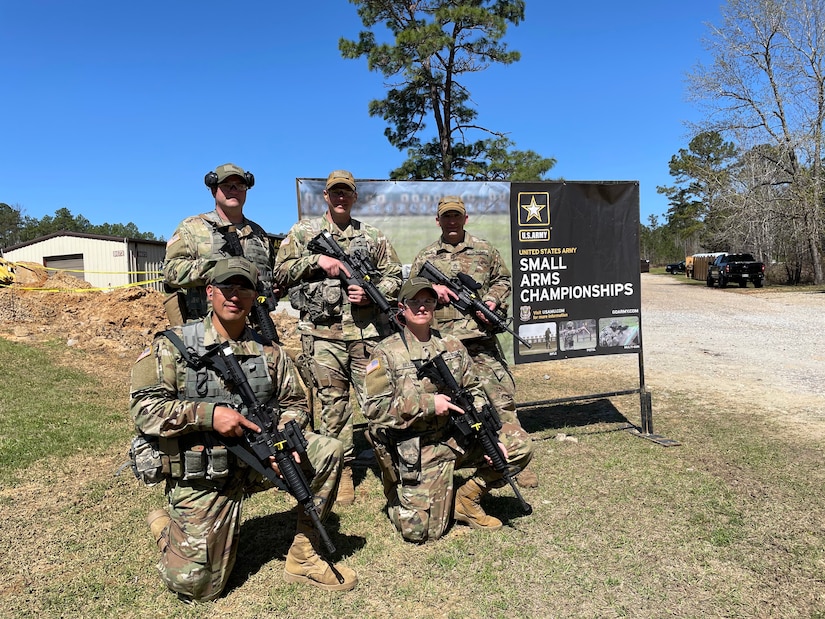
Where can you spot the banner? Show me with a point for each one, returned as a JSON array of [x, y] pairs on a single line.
[[405, 210], [576, 280]]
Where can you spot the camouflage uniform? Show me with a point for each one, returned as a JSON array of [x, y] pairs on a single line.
[[198, 243], [336, 335], [480, 260], [171, 400], [418, 483]]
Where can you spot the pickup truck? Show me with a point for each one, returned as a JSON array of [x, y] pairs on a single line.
[[676, 267], [739, 268]]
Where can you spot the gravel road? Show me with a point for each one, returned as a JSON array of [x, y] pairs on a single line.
[[753, 345]]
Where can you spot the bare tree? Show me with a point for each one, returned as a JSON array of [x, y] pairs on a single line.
[[767, 86]]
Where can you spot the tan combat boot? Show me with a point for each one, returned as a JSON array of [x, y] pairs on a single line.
[[468, 507], [304, 565], [157, 521], [346, 488]]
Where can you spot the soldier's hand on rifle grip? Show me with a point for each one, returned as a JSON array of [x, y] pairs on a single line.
[[357, 296], [274, 464], [443, 405], [332, 266], [492, 306], [444, 294], [503, 452], [227, 421]]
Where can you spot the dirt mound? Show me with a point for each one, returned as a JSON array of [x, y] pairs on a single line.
[[122, 321]]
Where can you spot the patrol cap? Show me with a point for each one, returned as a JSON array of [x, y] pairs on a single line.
[[414, 285], [236, 266], [229, 169], [451, 203], [340, 177]]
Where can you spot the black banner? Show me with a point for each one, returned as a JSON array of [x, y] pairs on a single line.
[[576, 281]]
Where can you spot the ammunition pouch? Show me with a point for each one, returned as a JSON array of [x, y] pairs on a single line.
[[385, 461], [155, 459], [320, 301], [146, 460], [175, 305], [409, 460]]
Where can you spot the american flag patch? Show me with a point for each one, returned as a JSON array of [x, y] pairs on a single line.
[[373, 365], [145, 353]]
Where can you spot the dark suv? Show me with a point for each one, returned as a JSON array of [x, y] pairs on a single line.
[[676, 267]]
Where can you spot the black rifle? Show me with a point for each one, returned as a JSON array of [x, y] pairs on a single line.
[[265, 301], [361, 271], [269, 441], [481, 426], [468, 302]]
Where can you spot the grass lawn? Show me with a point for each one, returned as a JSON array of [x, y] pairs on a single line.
[[728, 524]]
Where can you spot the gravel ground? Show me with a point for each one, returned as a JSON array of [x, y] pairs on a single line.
[[759, 346]]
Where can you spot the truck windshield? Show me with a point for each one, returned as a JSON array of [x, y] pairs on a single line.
[[740, 258]]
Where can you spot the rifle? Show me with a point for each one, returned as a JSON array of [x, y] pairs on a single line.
[[361, 269], [482, 426], [468, 302], [265, 301], [269, 441]]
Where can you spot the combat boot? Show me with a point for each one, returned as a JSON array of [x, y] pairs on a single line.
[[305, 565], [158, 521], [346, 488], [468, 507], [527, 479]]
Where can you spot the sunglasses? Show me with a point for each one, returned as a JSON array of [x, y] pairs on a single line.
[[236, 290]]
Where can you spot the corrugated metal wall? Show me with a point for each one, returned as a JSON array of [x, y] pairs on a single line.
[[107, 263]]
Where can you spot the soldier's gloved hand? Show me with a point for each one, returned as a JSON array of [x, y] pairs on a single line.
[[227, 421]]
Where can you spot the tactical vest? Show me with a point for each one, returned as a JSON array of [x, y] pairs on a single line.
[[203, 384], [321, 300], [196, 455], [256, 249]]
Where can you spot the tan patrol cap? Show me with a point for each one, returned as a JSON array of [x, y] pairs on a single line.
[[340, 177], [451, 203], [227, 268], [413, 286], [229, 169]]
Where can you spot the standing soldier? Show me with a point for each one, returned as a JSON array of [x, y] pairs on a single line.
[[339, 324], [200, 241], [188, 408], [458, 251]]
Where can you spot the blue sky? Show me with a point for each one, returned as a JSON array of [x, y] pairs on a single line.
[[116, 110]]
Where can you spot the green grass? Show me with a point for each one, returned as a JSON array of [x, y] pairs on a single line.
[[728, 524], [48, 410], [409, 234]]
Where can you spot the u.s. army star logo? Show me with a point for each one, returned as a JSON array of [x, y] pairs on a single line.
[[534, 208]]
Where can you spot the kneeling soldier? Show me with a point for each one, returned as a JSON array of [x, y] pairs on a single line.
[[410, 427], [189, 409]]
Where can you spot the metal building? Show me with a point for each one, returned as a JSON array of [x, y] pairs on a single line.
[[102, 261]]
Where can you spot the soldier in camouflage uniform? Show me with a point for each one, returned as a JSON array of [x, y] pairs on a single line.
[[339, 325], [200, 241], [410, 429], [188, 408], [458, 251]]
